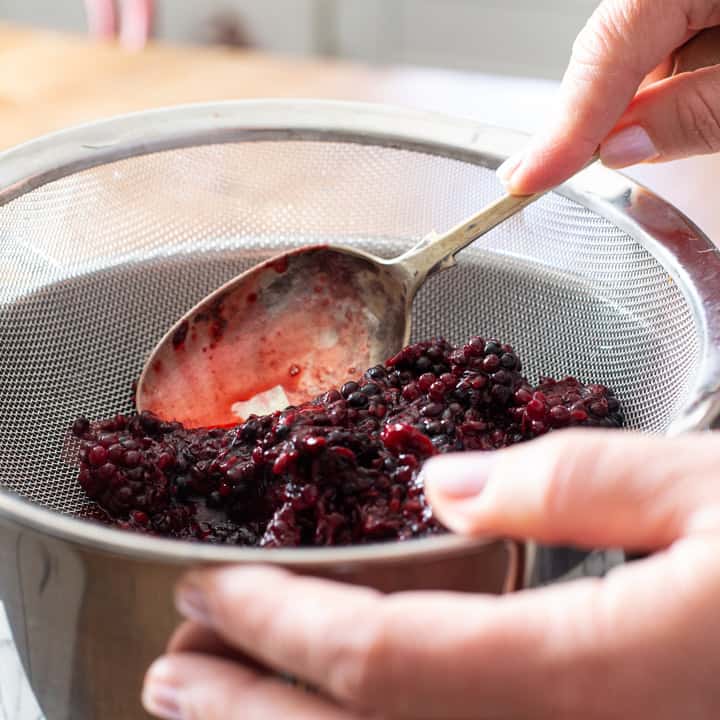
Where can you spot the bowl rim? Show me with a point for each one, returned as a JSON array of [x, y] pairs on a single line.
[[662, 229]]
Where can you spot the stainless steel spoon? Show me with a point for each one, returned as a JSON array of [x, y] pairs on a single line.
[[300, 323]]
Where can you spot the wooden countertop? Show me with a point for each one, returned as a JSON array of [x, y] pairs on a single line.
[[54, 80]]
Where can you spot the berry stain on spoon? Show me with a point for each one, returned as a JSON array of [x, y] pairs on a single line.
[[253, 353]]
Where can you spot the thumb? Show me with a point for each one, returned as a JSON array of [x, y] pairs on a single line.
[[621, 43], [585, 488], [671, 119]]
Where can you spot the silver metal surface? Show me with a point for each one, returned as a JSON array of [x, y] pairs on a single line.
[[108, 233]]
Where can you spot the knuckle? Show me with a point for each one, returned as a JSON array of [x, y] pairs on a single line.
[[700, 117], [577, 673], [594, 42], [567, 459], [606, 613], [589, 51], [257, 619], [238, 608], [554, 489], [357, 659], [601, 45]]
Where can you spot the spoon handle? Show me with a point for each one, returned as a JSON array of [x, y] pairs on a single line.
[[436, 253]]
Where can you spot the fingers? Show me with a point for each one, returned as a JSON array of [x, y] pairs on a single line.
[[623, 41], [539, 654], [406, 656], [281, 631], [671, 119], [197, 687], [371, 652], [136, 23], [135, 20], [101, 18], [588, 488]]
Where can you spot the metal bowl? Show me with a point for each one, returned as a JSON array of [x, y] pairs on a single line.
[[110, 231]]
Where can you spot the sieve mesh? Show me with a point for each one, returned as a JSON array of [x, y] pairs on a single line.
[[94, 267]]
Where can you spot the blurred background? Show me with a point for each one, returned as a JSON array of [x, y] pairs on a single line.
[[517, 37], [496, 61]]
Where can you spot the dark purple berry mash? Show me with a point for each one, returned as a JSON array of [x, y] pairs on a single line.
[[338, 470]]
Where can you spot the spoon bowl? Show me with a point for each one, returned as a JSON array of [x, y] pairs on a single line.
[[277, 335]]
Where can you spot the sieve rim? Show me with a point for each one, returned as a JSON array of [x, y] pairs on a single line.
[[98, 537], [683, 249]]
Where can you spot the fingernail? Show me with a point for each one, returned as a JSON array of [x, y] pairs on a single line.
[[190, 602], [628, 146], [459, 476], [161, 696], [508, 168]]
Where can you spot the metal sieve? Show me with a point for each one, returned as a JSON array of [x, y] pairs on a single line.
[[110, 232]]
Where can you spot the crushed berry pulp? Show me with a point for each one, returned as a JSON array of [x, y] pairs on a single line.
[[341, 469]]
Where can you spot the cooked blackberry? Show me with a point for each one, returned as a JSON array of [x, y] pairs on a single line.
[[340, 469]]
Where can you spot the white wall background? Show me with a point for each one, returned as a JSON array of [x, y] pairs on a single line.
[[518, 37], [61, 14]]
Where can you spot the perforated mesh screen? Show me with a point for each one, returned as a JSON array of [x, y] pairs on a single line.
[[96, 266]]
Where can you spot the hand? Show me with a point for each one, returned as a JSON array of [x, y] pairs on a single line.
[[135, 22], [616, 94], [644, 642]]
